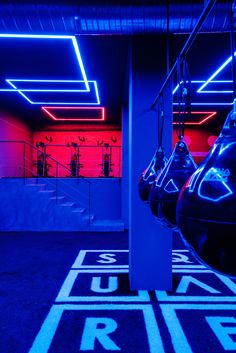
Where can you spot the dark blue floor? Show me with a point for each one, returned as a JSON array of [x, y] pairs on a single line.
[[33, 267], [59, 295]]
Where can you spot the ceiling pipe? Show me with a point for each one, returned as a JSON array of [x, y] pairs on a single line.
[[66, 19]]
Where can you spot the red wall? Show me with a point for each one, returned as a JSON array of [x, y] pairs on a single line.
[[12, 153], [197, 140], [90, 157]]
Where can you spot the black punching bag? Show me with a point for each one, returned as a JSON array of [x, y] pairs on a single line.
[[166, 188], [206, 210], [150, 173]]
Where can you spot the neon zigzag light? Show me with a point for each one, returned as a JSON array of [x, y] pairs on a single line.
[[102, 109], [181, 82], [201, 122], [207, 104], [208, 91], [215, 73], [56, 37], [20, 91]]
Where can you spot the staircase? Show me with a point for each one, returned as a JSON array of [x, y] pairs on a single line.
[[36, 207], [51, 203]]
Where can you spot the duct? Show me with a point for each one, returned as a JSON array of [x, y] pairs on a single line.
[[70, 20]]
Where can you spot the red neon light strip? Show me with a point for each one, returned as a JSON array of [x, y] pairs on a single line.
[[46, 109], [201, 122]]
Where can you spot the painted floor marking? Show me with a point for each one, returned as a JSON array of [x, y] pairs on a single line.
[[164, 296], [179, 340], [80, 259], [45, 336], [64, 293]]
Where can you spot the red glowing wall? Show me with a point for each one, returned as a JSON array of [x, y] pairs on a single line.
[[12, 153], [92, 150], [198, 141], [12, 162]]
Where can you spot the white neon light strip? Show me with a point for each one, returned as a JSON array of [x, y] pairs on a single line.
[[20, 91], [181, 82], [72, 38], [206, 91], [218, 91], [216, 73], [231, 103]]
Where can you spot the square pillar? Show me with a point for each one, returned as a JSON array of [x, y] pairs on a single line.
[[150, 244]]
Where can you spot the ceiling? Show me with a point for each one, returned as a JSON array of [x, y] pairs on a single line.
[[103, 30], [110, 16], [104, 61]]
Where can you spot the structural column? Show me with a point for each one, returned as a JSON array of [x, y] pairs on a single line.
[[150, 244]]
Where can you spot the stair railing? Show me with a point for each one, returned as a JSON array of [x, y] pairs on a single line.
[[28, 171]]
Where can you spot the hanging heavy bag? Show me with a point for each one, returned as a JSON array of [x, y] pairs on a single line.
[[150, 173], [206, 210], [158, 161], [153, 194], [170, 181]]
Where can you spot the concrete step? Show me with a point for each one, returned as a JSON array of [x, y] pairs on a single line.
[[47, 191], [68, 204], [79, 210], [35, 184], [107, 225], [59, 199], [86, 217], [38, 187]]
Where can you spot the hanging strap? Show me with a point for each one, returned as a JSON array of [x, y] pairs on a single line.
[[180, 117], [232, 42], [160, 120], [184, 96], [187, 91]]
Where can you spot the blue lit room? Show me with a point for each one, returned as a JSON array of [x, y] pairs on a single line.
[[117, 176]]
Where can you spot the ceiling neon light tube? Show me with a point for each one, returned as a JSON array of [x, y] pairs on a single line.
[[207, 104], [52, 115], [216, 92], [181, 82], [216, 73], [206, 91], [85, 98], [201, 122], [56, 37]]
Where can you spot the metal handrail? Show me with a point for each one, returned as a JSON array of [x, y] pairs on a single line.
[[57, 163], [49, 157], [53, 159]]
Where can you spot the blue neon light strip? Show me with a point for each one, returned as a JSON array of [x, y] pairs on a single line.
[[80, 92], [203, 103], [206, 103], [217, 91], [216, 73], [74, 43], [25, 84], [181, 82], [206, 91]]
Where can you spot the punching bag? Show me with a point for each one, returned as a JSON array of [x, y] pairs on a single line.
[[206, 210], [150, 173], [166, 188]]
